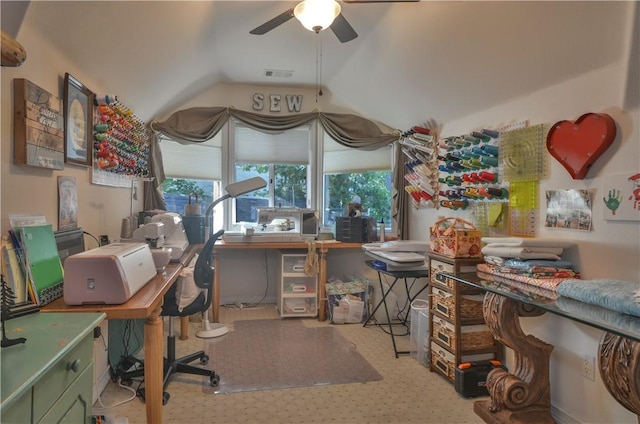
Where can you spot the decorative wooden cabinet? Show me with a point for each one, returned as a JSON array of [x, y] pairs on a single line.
[[50, 377], [457, 331], [297, 291]]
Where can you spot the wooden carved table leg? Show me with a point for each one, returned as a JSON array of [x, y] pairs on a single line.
[[619, 364], [153, 366], [522, 396]]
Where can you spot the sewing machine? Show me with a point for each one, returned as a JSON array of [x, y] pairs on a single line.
[[164, 230], [278, 225], [153, 234]]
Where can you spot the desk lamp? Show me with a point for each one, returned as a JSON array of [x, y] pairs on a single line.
[[233, 190]]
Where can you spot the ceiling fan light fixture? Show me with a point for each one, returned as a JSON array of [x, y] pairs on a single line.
[[316, 15]]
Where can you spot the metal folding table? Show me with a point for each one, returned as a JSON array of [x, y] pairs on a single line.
[[396, 275]]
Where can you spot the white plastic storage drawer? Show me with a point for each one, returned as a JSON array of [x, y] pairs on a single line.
[[293, 264], [299, 306], [298, 285]]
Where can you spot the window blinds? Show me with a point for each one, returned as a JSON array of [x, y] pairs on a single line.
[[288, 147], [339, 159], [199, 161]]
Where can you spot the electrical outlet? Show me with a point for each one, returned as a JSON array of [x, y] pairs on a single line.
[[589, 367]]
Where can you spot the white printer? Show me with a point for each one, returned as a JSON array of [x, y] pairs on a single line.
[[108, 275]]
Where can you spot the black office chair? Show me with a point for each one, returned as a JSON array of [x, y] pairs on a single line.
[[203, 273]]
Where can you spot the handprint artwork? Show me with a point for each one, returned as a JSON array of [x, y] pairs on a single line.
[[621, 197], [613, 202]]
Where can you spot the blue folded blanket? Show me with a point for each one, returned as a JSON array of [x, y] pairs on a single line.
[[616, 295], [530, 263]]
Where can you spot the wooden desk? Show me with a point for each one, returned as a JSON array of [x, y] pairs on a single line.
[[147, 303], [321, 247]]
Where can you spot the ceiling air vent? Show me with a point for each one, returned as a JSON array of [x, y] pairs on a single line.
[[277, 73]]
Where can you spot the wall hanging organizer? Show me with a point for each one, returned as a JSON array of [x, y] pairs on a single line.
[[121, 144], [468, 167], [418, 147]]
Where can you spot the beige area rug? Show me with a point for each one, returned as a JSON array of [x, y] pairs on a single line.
[[277, 354]]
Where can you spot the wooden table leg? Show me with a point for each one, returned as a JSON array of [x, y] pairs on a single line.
[[153, 366], [184, 328], [522, 396], [322, 279], [619, 364]]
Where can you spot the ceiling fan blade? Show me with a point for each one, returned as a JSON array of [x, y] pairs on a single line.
[[273, 23], [380, 1], [343, 29]]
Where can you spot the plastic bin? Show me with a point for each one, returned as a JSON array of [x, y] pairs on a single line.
[[419, 331]]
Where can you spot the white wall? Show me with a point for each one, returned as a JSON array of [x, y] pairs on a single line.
[[29, 190]]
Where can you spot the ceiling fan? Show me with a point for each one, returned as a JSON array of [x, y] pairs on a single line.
[[317, 15]]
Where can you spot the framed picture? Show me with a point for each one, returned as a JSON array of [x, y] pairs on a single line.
[[78, 122], [67, 203]]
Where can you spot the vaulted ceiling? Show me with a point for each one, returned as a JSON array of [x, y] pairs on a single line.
[[410, 62]]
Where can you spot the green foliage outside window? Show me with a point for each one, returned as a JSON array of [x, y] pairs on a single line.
[[373, 188]]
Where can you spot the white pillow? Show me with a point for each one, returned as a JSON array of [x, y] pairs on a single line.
[[186, 289]]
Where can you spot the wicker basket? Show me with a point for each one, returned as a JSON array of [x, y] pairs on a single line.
[[443, 303], [443, 361], [455, 238], [444, 332], [476, 340], [471, 307]]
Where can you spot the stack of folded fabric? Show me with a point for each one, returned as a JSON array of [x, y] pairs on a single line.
[[616, 295], [537, 262]]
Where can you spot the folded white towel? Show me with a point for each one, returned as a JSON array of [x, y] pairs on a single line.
[[528, 242], [521, 252], [494, 260]]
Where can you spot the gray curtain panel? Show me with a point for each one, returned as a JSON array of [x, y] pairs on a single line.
[[199, 124]]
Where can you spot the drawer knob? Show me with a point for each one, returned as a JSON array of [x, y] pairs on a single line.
[[74, 366]]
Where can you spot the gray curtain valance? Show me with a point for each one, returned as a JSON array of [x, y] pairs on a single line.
[[199, 124]]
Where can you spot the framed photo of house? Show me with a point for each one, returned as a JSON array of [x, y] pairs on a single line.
[[78, 122]]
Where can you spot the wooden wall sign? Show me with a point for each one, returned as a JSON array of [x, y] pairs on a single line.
[[577, 145], [38, 129]]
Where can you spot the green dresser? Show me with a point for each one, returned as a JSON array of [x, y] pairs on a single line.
[[49, 379]]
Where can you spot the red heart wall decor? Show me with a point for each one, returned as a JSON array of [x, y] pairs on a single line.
[[577, 145]]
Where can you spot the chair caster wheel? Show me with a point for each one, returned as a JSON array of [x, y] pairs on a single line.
[[214, 381], [127, 382], [204, 360], [165, 397]]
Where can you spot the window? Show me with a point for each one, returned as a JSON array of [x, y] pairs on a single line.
[[281, 159], [356, 176], [371, 189], [300, 172], [192, 168]]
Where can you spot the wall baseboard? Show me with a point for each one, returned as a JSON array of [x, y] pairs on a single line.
[[101, 384], [562, 417]]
